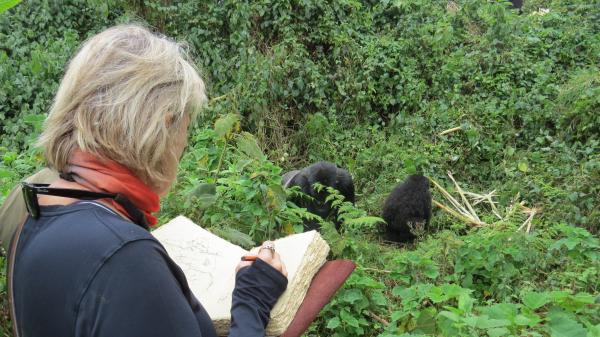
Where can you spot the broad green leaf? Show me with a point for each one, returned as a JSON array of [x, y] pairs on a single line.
[[432, 272], [450, 315], [535, 300], [4, 173], [404, 293], [367, 282], [349, 319], [226, 125], [474, 321], [436, 295], [426, 323], [204, 195], [446, 326], [276, 196], [594, 330], [502, 311], [234, 236], [249, 146], [333, 323], [493, 323], [379, 299], [396, 315], [525, 320], [8, 4], [452, 290], [561, 325], [465, 302], [522, 166], [298, 228], [498, 332], [353, 295]]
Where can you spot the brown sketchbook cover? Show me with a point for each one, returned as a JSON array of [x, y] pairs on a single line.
[[325, 283]]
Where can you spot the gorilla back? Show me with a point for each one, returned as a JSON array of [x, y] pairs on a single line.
[[327, 174], [408, 205]]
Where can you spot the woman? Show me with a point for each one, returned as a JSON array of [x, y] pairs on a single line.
[[118, 125]]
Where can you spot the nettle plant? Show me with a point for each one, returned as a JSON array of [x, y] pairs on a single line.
[[231, 187]]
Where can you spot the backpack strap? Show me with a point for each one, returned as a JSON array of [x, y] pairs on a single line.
[[12, 249]]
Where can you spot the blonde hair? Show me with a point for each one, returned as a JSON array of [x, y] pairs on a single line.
[[124, 97]]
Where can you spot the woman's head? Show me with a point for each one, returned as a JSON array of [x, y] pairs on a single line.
[[128, 95]]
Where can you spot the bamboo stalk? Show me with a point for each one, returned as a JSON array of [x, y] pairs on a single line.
[[479, 198], [458, 215], [462, 195], [218, 98], [445, 132], [450, 198]]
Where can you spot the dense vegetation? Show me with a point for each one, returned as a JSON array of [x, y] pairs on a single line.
[[373, 85]]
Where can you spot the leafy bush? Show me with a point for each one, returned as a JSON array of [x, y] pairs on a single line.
[[507, 101]]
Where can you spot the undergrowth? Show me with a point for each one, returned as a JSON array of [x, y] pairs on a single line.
[[506, 101]]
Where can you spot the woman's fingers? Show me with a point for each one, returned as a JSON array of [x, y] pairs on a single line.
[[242, 264], [267, 253], [284, 270]]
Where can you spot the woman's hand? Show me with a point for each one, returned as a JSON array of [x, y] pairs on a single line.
[[269, 256]]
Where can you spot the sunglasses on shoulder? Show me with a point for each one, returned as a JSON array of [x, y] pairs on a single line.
[[31, 191]]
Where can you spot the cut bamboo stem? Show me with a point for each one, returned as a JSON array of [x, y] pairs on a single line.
[[458, 215], [451, 199], [445, 132], [465, 200]]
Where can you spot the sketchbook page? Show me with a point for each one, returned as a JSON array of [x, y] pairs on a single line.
[[207, 261], [303, 255]]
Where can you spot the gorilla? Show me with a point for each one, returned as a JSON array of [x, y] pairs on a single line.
[[517, 4], [327, 174], [408, 206]]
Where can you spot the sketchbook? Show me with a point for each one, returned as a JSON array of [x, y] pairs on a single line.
[[209, 265]]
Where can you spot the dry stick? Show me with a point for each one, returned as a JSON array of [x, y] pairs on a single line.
[[450, 130], [458, 215], [511, 210], [462, 195], [478, 198], [218, 98], [376, 270], [377, 318], [528, 222], [493, 205], [450, 198]]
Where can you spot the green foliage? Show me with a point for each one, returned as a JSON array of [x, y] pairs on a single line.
[[8, 4], [579, 101], [348, 312], [371, 85], [232, 188], [37, 38]]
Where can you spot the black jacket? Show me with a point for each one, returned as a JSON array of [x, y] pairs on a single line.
[[81, 270]]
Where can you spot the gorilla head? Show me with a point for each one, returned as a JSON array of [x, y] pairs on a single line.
[[408, 206], [327, 174]]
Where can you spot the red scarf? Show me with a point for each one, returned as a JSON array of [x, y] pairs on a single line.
[[108, 176]]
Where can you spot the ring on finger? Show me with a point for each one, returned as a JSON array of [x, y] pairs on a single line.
[[268, 246]]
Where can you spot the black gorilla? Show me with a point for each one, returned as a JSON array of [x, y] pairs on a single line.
[[327, 174], [517, 4], [408, 205]]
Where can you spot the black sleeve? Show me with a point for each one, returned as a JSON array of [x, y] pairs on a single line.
[[137, 293], [257, 288]]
